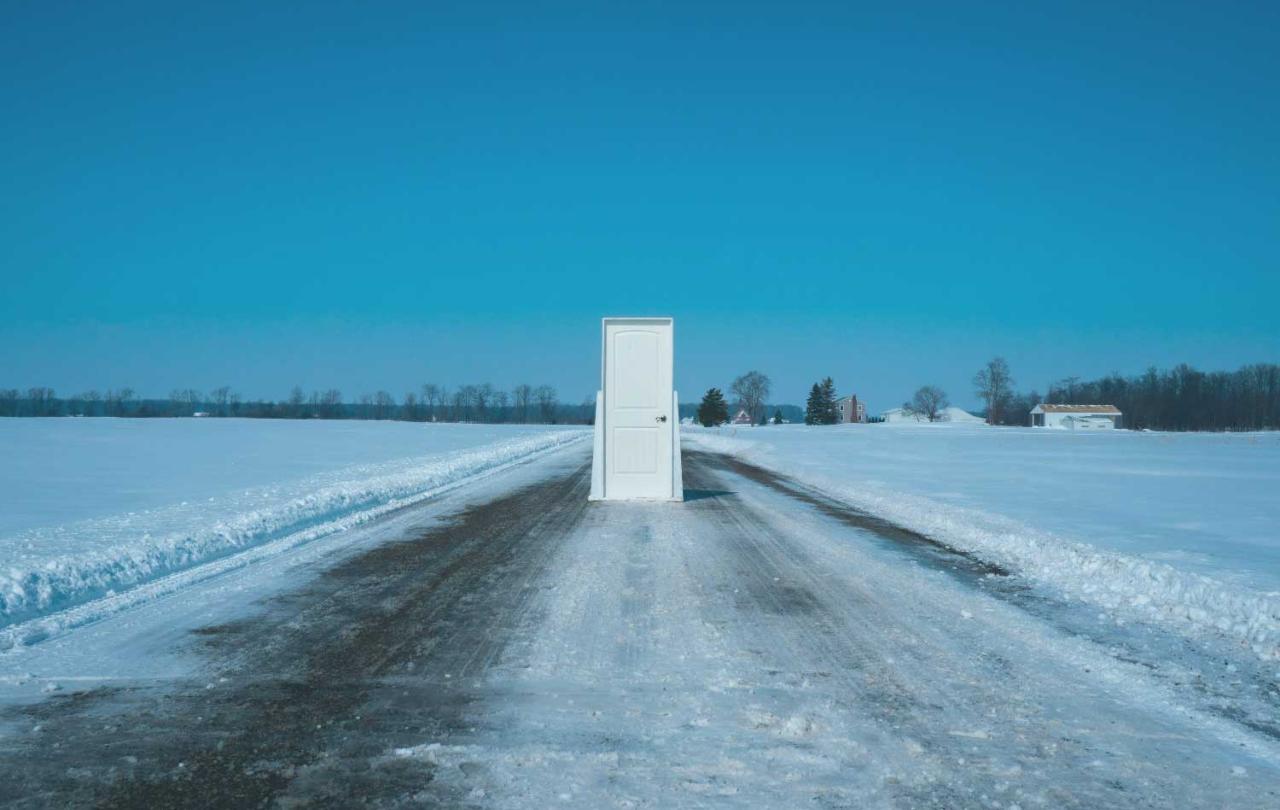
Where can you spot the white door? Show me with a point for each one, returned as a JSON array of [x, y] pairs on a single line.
[[638, 420]]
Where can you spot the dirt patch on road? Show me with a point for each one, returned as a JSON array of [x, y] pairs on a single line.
[[304, 702]]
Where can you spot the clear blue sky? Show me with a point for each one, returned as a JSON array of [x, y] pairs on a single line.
[[376, 196]]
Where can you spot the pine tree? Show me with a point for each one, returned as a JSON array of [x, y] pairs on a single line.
[[713, 410], [813, 406], [830, 413], [777, 416]]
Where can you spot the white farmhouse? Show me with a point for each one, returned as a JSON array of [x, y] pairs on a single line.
[[1076, 417]]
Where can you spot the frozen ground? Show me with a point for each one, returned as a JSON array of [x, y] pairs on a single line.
[[97, 513], [759, 645], [1181, 528]]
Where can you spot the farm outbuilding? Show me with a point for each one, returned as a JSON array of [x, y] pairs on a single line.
[[1076, 417]]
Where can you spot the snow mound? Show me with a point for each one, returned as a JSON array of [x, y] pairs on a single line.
[[126, 551], [949, 415], [960, 415]]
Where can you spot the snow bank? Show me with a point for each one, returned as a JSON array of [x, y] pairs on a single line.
[[1183, 529], [59, 471], [50, 570], [948, 414]]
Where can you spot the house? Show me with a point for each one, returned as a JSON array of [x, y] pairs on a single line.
[[850, 409], [1076, 417], [743, 418]]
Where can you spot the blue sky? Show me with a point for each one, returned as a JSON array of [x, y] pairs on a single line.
[[379, 196]]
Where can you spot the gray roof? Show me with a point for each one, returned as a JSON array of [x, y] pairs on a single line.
[[1078, 408]]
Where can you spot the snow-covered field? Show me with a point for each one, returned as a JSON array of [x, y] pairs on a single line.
[[92, 508], [1181, 528]]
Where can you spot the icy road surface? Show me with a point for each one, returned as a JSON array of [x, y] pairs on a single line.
[[756, 646]]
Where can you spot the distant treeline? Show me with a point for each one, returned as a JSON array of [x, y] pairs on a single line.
[[432, 403], [1181, 398]]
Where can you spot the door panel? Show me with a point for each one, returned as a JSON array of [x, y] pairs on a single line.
[[637, 356], [635, 450]]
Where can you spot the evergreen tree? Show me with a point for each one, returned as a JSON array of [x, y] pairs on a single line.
[[830, 414], [713, 410], [777, 416], [813, 406]]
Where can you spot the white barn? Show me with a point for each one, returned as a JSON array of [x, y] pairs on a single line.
[[1076, 417]]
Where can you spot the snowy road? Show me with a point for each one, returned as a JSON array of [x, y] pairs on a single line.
[[756, 646]]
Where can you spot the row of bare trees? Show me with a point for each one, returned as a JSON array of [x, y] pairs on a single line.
[[44, 402], [430, 403]]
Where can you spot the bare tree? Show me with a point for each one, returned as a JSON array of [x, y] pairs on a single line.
[[545, 396], [431, 397], [483, 396], [92, 402], [500, 402], [41, 401], [1066, 389], [929, 401], [220, 396], [184, 401], [470, 401], [331, 403], [994, 384], [296, 400], [752, 389], [522, 395], [410, 406], [119, 402], [9, 401], [383, 405]]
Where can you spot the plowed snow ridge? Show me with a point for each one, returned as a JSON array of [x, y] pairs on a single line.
[[46, 596]]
